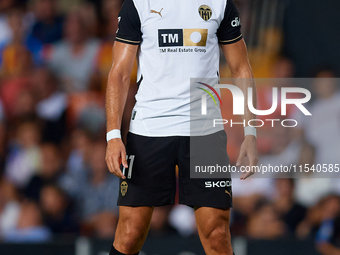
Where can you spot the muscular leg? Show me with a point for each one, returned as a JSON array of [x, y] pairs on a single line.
[[132, 229], [213, 229]]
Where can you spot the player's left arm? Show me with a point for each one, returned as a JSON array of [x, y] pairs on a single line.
[[237, 59]]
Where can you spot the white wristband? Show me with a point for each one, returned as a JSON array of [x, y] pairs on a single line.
[[115, 133], [250, 131]]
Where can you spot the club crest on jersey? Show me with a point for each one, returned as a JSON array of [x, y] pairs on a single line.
[[205, 12], [123, 188]]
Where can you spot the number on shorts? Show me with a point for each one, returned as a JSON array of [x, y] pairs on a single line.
[[131, 158]]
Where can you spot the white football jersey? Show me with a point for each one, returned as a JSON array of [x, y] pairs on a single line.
[[179, 40]]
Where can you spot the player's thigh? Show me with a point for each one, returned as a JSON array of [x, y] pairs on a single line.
[[132, 229], [133, 221], [212, 220]]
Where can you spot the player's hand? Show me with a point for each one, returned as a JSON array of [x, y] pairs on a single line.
[[116, 155], [248, 150]]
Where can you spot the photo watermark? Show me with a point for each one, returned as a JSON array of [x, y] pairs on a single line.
[[298, 127]]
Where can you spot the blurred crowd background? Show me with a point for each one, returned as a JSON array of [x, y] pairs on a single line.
[[54, 61]]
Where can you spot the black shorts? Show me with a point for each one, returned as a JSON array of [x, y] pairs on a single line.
[[151, 175]]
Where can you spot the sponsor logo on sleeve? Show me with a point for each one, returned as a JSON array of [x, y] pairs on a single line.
[[236, 22]]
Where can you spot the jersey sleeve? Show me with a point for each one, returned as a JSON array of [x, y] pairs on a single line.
[[230, 27], [129, 24]]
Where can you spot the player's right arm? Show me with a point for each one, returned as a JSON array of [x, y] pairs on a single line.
[[116, 93], [128, 38]]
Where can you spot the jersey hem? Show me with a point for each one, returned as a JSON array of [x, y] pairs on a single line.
[[173, 134]]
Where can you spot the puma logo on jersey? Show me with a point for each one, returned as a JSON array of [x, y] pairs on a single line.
[[160, 12], [236, 22]]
